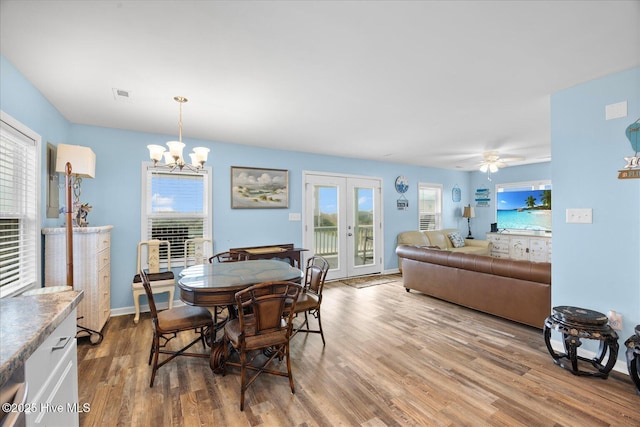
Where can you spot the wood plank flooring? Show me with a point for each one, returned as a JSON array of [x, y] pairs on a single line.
[[392, 358]]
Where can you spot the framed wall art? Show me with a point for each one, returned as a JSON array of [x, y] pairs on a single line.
[[259, 188]]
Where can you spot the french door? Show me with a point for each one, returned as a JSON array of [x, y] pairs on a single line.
[[342, 222]]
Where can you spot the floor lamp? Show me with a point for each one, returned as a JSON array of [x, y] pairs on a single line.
[[76, 162]]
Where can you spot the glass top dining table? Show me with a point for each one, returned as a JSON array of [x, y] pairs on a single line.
[[211, 285]]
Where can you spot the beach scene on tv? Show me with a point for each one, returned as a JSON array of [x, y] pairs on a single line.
[[524, 210]]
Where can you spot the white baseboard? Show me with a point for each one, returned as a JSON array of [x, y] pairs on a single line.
[[620, 366], [124, 311]]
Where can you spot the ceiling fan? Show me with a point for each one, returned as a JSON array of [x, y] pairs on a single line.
[[492, 162]]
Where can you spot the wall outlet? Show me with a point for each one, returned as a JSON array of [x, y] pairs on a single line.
[[615, 320]]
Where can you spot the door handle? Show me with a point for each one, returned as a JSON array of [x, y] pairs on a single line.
[[349, 234]]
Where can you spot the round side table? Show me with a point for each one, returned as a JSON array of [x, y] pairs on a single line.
[[576, 324], [633, 357]]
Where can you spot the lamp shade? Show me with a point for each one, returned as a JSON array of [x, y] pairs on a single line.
[[82, 159], [469, 212]]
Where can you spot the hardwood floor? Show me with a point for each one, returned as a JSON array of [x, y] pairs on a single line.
[[392, 358]]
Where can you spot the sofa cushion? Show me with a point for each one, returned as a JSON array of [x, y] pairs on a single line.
[[456, 240]]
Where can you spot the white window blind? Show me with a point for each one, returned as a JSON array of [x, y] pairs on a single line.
[[176, 207], [19, 221], [429, 206]]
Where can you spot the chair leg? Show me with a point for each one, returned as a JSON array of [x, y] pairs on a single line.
[[136, 305], [243, 377], [320, 326], [289, 367], [156, 351]]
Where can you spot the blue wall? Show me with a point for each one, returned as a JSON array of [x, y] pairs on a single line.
[[115, 192], [596, 265]]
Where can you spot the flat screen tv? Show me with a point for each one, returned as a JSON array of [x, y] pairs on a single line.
[[524, 210]]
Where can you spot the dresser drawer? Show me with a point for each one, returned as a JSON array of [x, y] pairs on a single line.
[[104, 241], [104, 258]]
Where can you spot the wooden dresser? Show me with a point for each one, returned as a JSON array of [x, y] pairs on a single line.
[[91, 270]]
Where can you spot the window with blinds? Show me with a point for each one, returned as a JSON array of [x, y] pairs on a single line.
[[176, 207], [429, 206], [19, 217]]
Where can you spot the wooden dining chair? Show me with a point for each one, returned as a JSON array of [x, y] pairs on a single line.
[[229, 256], [169, 323], [310, 298], [263, 327]]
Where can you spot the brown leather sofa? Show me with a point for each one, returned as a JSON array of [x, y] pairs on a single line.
[[514, 290]]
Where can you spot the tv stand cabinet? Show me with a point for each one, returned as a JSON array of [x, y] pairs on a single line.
[[521, 246]]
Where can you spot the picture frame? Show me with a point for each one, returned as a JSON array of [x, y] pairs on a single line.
[[259, 188]]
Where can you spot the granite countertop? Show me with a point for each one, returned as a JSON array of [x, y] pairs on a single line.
[[26, 321]]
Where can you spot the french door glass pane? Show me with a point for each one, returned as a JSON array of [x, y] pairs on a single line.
[[363, 226], [325, 223]]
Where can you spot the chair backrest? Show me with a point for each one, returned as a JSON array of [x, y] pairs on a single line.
[[147, 290], [262, 307], [229, 256], [315, 274], [156, 251], [197, 251]]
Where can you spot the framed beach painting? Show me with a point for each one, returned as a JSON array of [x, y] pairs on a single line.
[[259, 188]]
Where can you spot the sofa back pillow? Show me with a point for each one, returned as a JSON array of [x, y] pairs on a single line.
[[456, 240]]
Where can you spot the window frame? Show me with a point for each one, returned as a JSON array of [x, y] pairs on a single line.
[[438, 211], [31, 194], [148, 169]]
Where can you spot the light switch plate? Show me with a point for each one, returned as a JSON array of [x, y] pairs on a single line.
[[579, 216], [294, 216]]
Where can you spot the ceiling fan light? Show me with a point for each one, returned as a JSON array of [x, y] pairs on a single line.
[[493, 168], [484, 168]]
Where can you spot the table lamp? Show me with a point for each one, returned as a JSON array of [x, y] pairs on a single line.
[[469, 212]]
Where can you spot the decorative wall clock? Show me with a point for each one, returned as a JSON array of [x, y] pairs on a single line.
[[402, 184]]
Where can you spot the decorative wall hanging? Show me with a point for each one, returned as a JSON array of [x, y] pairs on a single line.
[[259, 188], [402, 203], [632, 168], [402, 185], [456, 194], [483, 197]]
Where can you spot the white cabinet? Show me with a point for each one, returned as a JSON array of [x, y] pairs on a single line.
[[91, 270], [500, 245], [520, 247], [51, 373]]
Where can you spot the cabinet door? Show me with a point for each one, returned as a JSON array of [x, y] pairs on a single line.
[[538, 250], [519, 248]]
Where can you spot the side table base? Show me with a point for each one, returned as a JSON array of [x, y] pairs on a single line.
[[573, 331]]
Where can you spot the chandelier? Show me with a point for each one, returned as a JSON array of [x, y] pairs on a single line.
[[173, 158]]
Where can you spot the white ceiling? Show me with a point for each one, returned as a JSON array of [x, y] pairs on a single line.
[[429, 83]]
